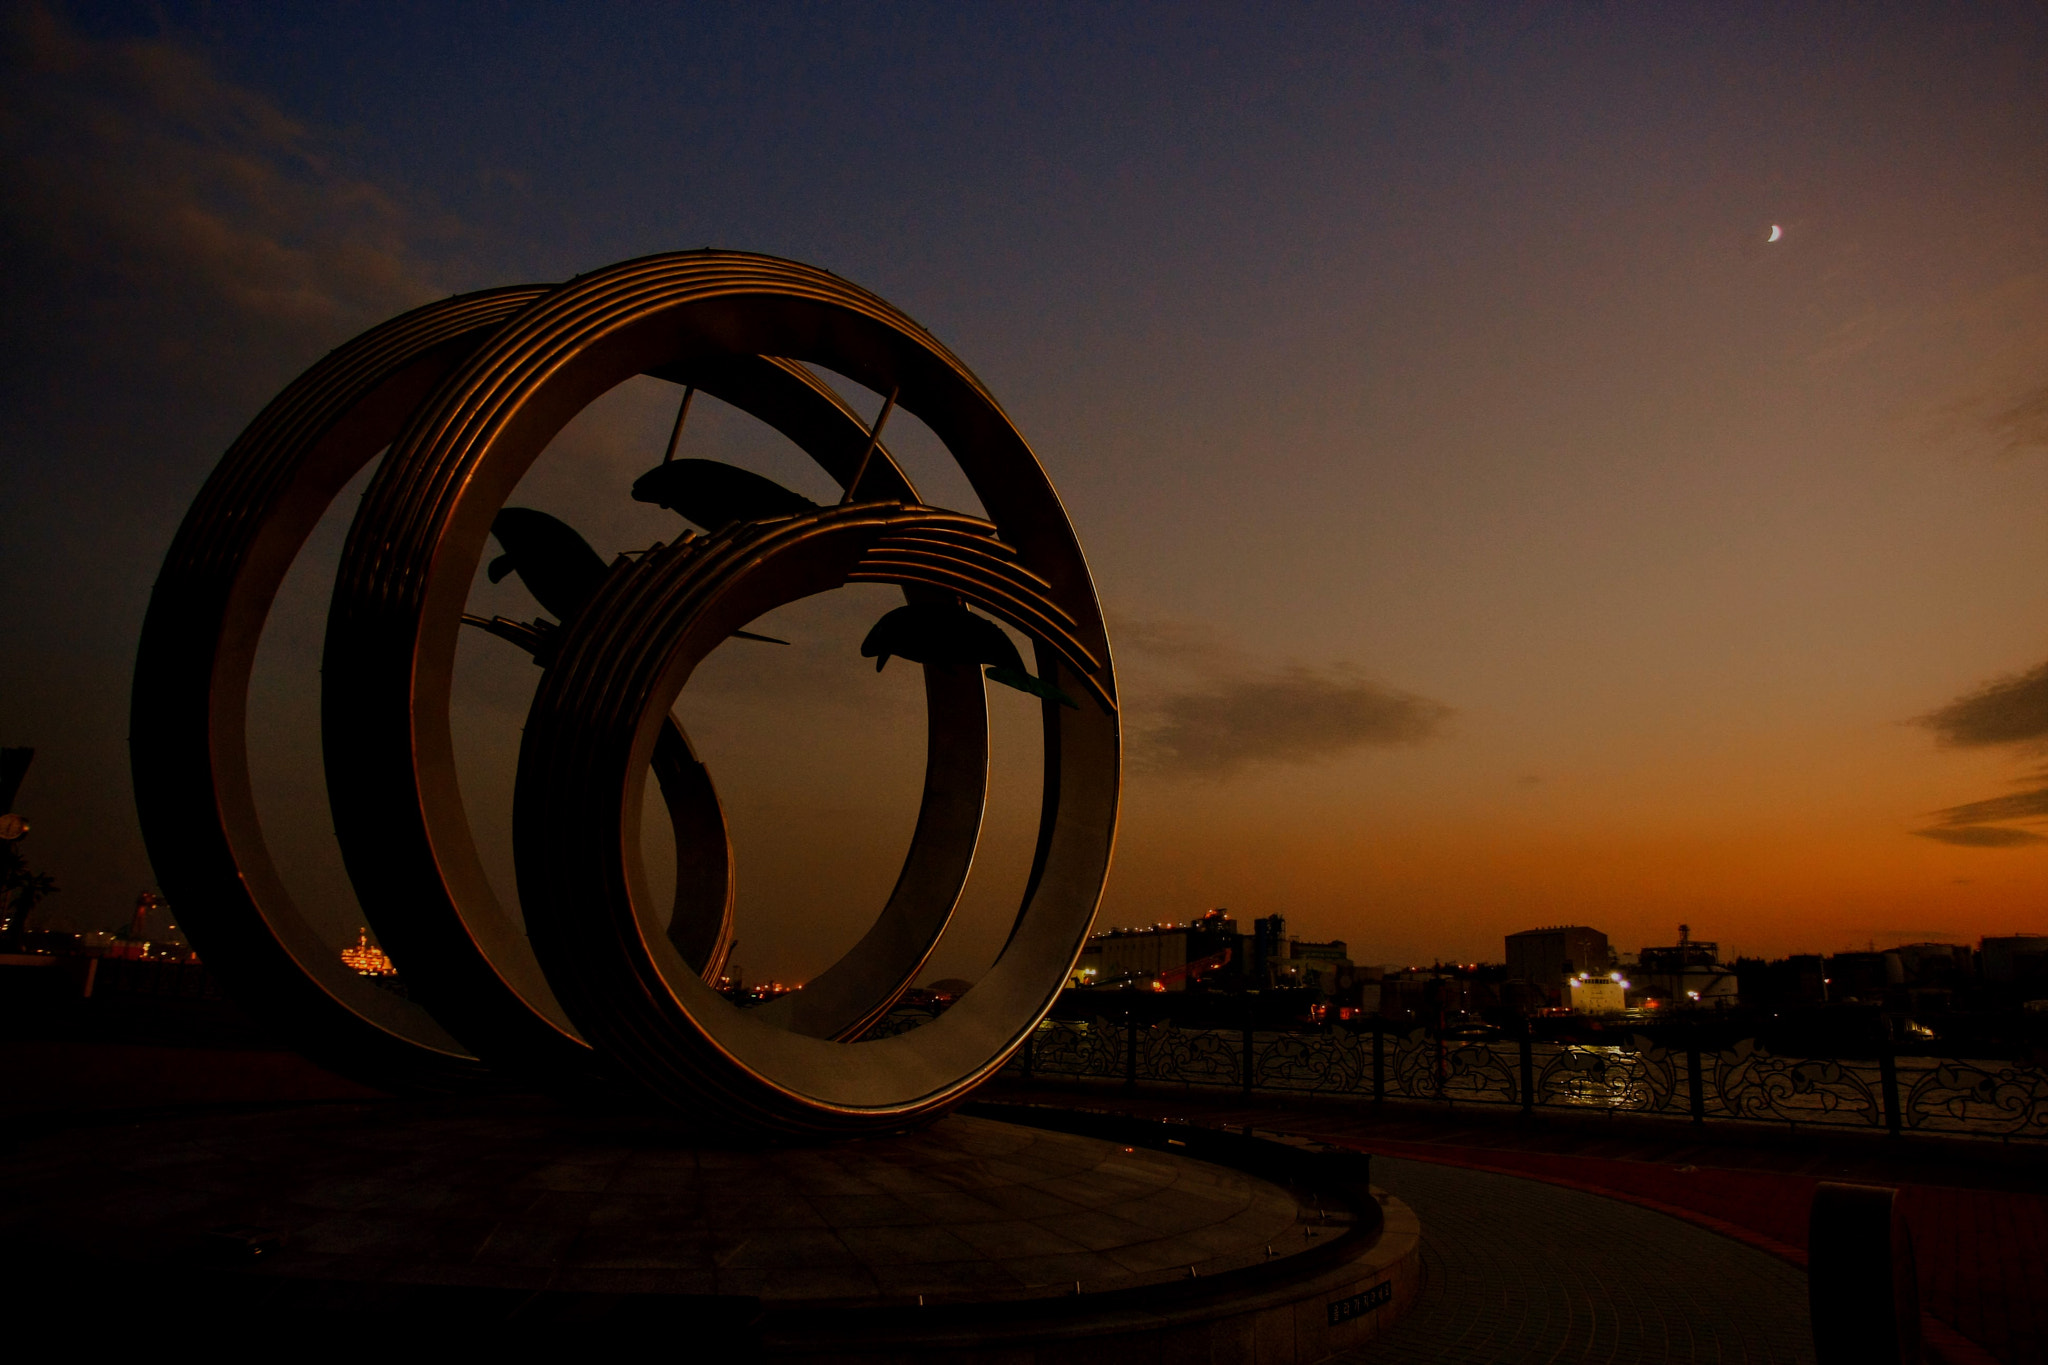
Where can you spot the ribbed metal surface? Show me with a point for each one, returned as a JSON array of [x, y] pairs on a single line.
[[187, 718], [467, 394], [592, 723]]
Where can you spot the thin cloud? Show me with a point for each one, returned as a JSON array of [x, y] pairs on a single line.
[[2023, 425], [1980, 824], [1200, 705], [134, 162], [2010, 710], [1981, 836], [2027, 805], [1297, 715]]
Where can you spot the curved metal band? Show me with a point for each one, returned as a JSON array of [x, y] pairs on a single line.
[[188, 718], [845, 1002], [429, 899], [790, 399], [700, 914], [591, 731], [413, 552], [701, 924]]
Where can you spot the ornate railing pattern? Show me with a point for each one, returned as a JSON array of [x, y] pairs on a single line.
[[1973, 1097], [1744, 1082]]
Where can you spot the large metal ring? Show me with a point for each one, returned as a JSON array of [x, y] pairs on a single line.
[[188, 719], [487, 383], [188, 727]]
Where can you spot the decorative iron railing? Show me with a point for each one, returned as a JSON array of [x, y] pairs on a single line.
[[1745, 1082]]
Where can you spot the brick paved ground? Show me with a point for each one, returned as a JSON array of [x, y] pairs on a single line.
[[1521, 1271], [1979, 1212], [520, 1194]]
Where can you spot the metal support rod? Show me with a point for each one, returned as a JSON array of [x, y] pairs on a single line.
[[1130, 1050], [1888, 1078], [1695, 1084], [1379, 1059], [874, 440], [1527, 1050], [1248, 1069], [682, 412]]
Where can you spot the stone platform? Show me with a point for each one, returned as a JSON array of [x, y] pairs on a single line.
[[972, 1237]]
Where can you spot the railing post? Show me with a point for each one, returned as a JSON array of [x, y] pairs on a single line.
[[1379, 1059], [1130, 1050], [1888, 1079], [1526, 1048], [1695, 1083], [1248, 1071], [1030, 1041]]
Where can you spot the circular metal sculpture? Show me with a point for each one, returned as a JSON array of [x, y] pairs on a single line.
[[462, 396]]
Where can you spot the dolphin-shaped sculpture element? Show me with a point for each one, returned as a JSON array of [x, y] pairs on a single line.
[[948, 633], [556, 563], [715, 495]]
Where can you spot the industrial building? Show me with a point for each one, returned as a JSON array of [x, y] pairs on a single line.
[[1549, 957], [1211, 951]]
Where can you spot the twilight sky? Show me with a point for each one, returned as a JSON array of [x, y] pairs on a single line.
[[1497, 529]]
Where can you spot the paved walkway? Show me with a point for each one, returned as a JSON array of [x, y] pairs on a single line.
[[1979, 1211], [1521, 1271], [517, 1194]]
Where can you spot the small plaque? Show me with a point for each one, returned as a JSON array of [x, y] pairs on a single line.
[[1361, 1303]]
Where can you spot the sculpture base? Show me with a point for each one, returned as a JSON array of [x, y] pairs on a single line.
[[971, 1237]]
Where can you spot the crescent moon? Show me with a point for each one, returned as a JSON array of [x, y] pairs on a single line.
[[1776, 233]]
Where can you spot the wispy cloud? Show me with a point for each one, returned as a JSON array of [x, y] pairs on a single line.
[[177, 246], [134, 161], [1981, 836], [1983, 824], [2027, 805], [2023, 425], [1201, 708], [2011, 710]]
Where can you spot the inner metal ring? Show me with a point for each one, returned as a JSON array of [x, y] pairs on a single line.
[[594, 726]]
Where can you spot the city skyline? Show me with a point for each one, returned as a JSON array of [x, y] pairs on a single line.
[[1541, 467]]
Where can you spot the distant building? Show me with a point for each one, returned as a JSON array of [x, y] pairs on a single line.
[[1268, 948], [2016, 959], [1861, 976], [1211, 951], [1161, 956], [1686, 975], [1595, 995], [1280, 960], [1936, 964], [1547, 958], [366, 958], [1326, 967], [1786, 983], [1437, 994]]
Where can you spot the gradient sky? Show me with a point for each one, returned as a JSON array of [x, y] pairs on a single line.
[[1497, 529]]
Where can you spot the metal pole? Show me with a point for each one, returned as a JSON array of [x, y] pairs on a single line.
[[874, 439], [1695, 1083], [1248, 1072], [1528, 1060], [1888, 1077], [1379, 1059], [677, 434], [1130, 1050]]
